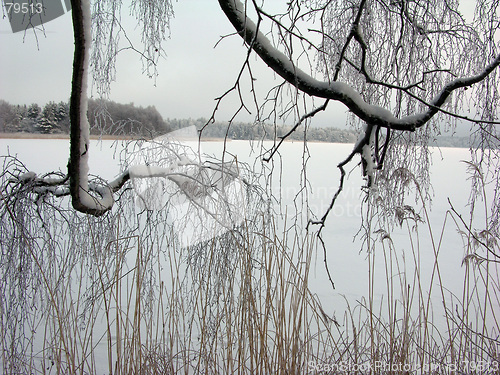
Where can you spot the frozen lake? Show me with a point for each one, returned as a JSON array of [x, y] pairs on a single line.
[[349, 264]]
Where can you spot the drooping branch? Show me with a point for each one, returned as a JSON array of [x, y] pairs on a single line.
[[339, 91], [353, 34], [79, 187], [91, 198]]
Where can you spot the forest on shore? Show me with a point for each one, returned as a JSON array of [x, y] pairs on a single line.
[[116, 119]]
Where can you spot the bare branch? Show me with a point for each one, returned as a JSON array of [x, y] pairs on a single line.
[[294, 128]]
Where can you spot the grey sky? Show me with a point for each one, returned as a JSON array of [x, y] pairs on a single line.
[[192, 75]]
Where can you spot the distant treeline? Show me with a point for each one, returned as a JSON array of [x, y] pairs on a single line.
[[105, 117], [240, 130], [111, 118]]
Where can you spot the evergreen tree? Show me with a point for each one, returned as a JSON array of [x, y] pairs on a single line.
[[34, 111]]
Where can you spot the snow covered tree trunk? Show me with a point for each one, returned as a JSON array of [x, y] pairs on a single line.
[[82, 199]]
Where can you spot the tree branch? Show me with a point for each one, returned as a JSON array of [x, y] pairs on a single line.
[[297, 124], [81, 198], [338, 91]]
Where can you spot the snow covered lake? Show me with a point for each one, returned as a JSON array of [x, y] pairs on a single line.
[[348, 263]]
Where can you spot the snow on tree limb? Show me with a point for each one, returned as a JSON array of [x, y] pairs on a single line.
[[96, 198], [78, 168], [87, 197], [339, 91], [91, 198]]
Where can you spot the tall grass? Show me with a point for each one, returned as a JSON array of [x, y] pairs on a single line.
[[119, 296]]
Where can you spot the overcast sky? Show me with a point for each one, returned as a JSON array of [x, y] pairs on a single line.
[[37, 68], [192, 75]]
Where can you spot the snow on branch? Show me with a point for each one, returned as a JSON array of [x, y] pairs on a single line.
[[339, 91], [94, 197], [204, 197], [78, 169]]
